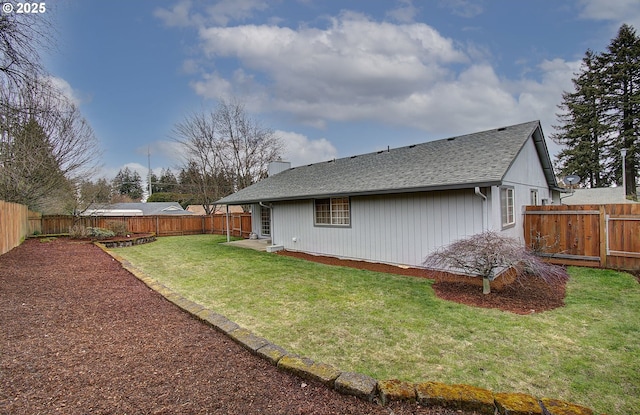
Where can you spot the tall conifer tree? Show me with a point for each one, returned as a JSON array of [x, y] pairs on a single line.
[[582, 130], [128, 183], [602, 116], [622, 98]]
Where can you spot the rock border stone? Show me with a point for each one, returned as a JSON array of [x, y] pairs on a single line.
[[460, 397], [122, 242]]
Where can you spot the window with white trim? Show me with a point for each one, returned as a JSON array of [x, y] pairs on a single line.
[[332, 211], [507, 206]]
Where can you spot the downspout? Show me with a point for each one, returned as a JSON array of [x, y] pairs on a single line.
[[484, 209], [270, 220]]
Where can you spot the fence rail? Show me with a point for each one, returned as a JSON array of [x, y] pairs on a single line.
[[161, 225], [606, 236]]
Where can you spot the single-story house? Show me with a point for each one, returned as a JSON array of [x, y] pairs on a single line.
[[398, 205], [135, 209], [596, 196], [217, 209]]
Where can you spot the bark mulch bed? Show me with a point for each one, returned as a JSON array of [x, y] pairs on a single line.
[[533, 297], [81, 335]]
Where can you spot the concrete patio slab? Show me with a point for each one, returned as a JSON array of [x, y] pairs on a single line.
[[257, 244]]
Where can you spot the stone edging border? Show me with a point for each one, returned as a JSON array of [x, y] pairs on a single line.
[[131, 241], [460, 397]]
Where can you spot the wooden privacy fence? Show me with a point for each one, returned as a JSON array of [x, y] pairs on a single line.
[[606, 236], [161, 225], [35, 223], [14, 225]]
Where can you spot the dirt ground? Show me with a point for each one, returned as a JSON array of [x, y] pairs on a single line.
[[534, 297], [81, 335]]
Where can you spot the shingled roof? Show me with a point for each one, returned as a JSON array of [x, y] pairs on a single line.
[[479, 159], [127, 208]]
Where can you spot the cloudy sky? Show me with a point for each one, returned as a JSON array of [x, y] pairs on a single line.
[[333, 78]]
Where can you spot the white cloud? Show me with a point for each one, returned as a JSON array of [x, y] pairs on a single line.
[[169, 150], [177, 16], [618, 11], [182, 14], [65, 89], [190, 67], [463, 8], [225, 11], [334, 73], [213, 86], [300, 150], [398, 74], [405, 12], [543, 97], [262, 46]]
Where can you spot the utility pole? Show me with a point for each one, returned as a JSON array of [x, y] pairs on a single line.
[[149, 173]]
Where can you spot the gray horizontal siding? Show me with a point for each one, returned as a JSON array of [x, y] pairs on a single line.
[[399, 229]]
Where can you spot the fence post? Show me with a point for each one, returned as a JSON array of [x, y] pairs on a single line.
[[603, 236]]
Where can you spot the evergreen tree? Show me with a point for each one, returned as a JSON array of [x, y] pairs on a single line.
[[128, 183], [204, 188], [94, 192], [602, 116], [582, 130], [622, 99], [29, 170], [167, 182], [154, 183]]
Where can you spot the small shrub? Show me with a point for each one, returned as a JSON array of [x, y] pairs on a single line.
[[487, 254], [78, 232], [117, 227], [100, 233]]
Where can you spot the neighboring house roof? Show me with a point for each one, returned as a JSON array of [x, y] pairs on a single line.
[[596, 196], [479, 159], [219, 209], [136, 209]]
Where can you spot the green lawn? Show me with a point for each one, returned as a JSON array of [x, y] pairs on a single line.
[[389, 326]]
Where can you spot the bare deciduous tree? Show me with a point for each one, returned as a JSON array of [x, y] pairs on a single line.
[[247, 146], [90, 193], [225, 151], [202, 158], [22, 37], [45, 143], [487, 254]]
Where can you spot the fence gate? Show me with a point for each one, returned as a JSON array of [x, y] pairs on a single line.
[[621, 249], [586, 235]]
